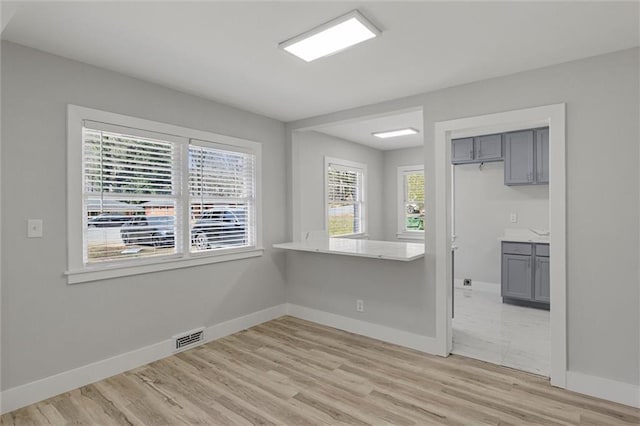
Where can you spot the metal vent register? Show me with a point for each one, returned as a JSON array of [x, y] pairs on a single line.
[[189, 339]]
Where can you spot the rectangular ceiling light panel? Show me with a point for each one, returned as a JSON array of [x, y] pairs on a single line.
[[332, 37], [395, 133]]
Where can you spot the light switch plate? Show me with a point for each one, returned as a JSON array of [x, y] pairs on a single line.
[[34, 228]]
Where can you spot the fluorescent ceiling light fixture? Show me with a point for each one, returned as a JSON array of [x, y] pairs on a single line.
[[332, 37], [395, 133]]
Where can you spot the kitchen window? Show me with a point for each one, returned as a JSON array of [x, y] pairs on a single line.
[[147, 196], [345, 198], [411, 202]]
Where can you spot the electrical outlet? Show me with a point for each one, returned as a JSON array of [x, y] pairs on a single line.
[[360, 305], [513, 217], [34, 228]]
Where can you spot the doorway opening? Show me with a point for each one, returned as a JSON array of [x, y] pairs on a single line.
[[500, 248], [553, 118]]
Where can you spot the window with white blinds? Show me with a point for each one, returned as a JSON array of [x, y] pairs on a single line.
[[221, 197], [345, 189], [131, 191], [155, 193]]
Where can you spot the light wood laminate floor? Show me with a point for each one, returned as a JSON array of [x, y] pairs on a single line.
[[293, 372]]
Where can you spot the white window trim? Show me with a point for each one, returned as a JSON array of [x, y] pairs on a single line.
[[365, 217], [400, 213], [77, 271]]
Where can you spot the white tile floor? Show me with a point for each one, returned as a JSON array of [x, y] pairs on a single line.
[[485, 328]]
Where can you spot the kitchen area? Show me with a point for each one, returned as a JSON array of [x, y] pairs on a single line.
[[500, 237]]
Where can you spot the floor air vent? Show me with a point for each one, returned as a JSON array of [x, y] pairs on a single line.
[[189, 338]]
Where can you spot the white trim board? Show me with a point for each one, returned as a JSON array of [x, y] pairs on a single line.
[[611, 390], [549, 115], [375, 331], [39, 390]]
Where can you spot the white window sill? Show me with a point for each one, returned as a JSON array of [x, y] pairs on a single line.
[[410, 235], [103, 272]]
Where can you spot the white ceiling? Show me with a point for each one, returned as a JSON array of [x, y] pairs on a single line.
[[227, 51], [360, 131]]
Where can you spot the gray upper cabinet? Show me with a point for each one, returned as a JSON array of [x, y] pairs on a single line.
[[525, 154], [478, 149], [526, 157], [516, 276], [462, 150], [542, 155], [518, 154], [488, 148]]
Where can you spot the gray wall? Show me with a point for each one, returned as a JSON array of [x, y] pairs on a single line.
[[311, 148], [482, 208], [392, 160], [48, 326], [603, 185], [392, 291]]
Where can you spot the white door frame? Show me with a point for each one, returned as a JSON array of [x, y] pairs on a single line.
[[554, 117]]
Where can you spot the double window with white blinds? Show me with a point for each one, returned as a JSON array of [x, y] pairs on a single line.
[[345, 190], [149, 195]]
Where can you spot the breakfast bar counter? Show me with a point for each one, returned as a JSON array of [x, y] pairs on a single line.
[[389, 250]]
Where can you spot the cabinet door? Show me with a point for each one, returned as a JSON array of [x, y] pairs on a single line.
[[542, 290], [516, 276], [518, 158], [488, 148], [542, 156], [461, 150]]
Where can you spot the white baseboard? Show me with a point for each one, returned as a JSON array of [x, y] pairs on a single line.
[[376, 331], [611, 390], [39, 390]]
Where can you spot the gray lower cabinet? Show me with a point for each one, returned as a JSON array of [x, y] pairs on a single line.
[[541, 288], [526, 157], [525, 273], [477, 149], [516, 276]]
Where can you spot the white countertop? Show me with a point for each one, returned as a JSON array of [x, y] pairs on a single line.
[[523, 236], [389, 250]]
